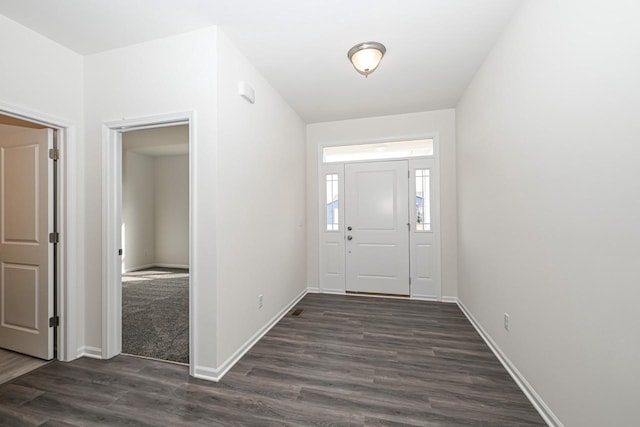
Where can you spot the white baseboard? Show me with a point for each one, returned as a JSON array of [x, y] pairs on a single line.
[[155, 264], [420, 297], [182, 266], [91, 352], [209, 374], [545, 412], [313, 290], [213, 374], [333, 291], [449, 299], [138, 267]]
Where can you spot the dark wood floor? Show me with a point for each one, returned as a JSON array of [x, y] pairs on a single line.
[[12, 365], [343, 361]]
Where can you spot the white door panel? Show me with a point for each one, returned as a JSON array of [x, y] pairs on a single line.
[[376, 209], [424, 236], [332, 232], [20, 193], [26, 212], [334, 253], [19, 285], [423, 261]]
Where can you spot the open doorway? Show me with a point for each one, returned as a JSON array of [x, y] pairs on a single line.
[[155, 243]]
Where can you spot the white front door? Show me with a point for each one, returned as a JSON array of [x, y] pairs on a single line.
[[26, 256], [377, 233]]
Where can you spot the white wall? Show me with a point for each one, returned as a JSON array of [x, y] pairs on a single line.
[[261, 203], [549, 202], [138, 210], [41, 76], [158, 77], [440, 123], [156, 213], [248, 231], [171, 176], [155, 210]]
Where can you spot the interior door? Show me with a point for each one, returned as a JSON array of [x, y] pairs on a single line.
[[377, 234], [26, 256]]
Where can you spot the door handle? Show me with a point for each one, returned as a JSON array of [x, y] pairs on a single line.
[[349, 237]]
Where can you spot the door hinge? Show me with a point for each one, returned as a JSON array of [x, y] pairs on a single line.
[[54, 321], [54, 237], [409, 174], [54, 154], [409, 280]]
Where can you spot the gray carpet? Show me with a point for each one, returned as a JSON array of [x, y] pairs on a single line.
[[155, 314]]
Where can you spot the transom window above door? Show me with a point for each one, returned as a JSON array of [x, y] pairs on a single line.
[[378, 151]]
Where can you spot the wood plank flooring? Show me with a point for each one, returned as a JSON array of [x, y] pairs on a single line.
[[12, 365], [344, 360]]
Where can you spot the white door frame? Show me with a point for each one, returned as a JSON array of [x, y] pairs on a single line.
[[112, 219], [68, 252], [338, 167]]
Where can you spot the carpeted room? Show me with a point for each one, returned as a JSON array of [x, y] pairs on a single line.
[[155, 261]]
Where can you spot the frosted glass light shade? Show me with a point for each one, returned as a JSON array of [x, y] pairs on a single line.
[[366, 57]]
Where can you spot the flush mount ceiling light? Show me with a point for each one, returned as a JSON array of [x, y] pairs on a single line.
[[366, 56]]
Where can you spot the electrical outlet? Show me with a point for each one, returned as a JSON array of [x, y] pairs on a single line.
[[260, 301], [506, 322]]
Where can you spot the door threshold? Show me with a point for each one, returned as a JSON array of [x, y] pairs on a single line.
[[154, 359], [15, 365], [376, 294]]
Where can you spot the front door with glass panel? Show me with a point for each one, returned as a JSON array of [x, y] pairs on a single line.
[[380, 228], [377, 227]]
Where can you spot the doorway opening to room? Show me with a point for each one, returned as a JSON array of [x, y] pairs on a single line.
[[148, 237], [379, 219], [29, 236], [155, 243]]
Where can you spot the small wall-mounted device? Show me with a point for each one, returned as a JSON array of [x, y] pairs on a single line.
[[247, 92]]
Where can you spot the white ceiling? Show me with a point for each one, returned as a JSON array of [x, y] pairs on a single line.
[[158, 142], [433, 46]]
